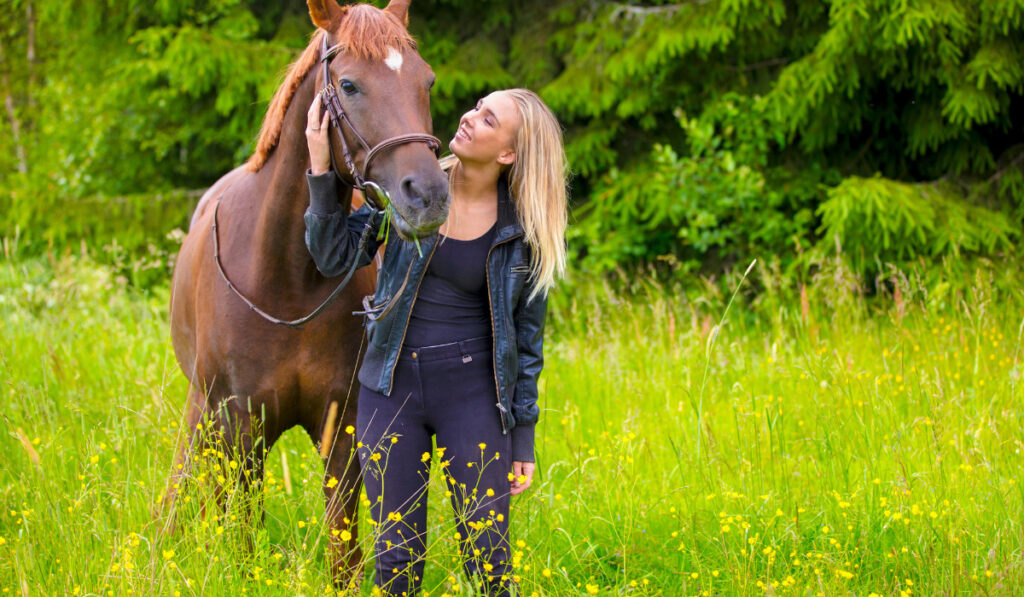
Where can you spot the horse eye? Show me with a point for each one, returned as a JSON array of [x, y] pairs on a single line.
[[348, 87]]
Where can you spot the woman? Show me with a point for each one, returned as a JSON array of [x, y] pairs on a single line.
[[457, 357]]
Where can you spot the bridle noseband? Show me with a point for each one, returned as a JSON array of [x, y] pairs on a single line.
[[372, 192]]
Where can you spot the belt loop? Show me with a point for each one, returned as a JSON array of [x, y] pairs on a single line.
[[466, 357]]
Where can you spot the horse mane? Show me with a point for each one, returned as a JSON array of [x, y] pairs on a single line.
[[365, 32]]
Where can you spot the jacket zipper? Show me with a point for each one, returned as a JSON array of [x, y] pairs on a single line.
[[494, 336], [415, 295]]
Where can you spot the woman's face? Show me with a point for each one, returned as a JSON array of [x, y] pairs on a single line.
[[487, 132]]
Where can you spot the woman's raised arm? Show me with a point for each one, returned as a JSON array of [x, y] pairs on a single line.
[[332, 235]]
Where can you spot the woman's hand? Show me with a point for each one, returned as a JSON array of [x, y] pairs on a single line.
[[317, 138], [521, 470]]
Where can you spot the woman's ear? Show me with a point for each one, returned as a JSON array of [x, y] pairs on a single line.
[[507, 157]]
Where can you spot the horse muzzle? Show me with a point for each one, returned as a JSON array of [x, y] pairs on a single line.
[[420, 206]]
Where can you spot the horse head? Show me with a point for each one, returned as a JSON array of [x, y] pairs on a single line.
[[382, 86]]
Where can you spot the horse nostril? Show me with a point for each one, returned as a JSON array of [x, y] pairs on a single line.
[[413, 193]]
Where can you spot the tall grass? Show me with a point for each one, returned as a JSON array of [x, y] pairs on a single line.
[[849, 445]]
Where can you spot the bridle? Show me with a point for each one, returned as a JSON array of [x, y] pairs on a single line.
[[374, 194]]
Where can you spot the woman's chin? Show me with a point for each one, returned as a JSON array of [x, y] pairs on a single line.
[[457, 147]]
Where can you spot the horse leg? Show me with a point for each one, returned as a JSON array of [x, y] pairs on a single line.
[[188, 440], [342, 485]]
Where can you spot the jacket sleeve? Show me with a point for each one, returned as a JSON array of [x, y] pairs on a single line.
[[332, 236], [529, 320]]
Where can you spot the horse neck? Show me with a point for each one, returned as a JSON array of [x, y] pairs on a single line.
[[279, 231]]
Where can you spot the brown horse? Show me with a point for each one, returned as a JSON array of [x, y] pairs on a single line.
[[255, 379]]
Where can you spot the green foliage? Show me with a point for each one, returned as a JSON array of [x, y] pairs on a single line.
[[153, 105], [716, 201], [910, 93], [788, 108], [897, 221]]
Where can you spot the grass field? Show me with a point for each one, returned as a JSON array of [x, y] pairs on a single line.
[[815, 443]]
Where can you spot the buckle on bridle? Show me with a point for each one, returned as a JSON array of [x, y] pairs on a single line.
[[368, 309]]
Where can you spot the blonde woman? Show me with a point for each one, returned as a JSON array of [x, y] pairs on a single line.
[[458, 355]]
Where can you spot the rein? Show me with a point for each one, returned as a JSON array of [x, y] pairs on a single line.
[[296, 323], [374, 194]]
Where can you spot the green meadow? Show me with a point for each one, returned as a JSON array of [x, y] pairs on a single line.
[[804, 441], [842, 418]]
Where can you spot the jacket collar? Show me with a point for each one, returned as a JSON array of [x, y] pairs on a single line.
[[508, 220]]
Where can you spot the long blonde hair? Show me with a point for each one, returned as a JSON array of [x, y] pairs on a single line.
[[537, 182]]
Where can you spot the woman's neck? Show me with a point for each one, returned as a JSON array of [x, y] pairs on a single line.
[[474, 202], [476, 183]]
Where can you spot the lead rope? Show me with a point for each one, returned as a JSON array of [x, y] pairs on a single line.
[[374, 313]]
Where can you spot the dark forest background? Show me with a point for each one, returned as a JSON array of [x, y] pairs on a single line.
[[701, 134]]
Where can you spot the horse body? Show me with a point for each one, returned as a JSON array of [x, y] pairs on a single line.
[[256, 379], [217, 339]]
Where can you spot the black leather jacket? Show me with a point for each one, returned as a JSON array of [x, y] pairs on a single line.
[[332, 237]]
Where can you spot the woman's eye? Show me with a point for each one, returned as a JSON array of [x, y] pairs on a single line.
[[347, 87]]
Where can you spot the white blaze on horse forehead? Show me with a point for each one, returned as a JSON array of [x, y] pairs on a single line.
[[394, 60]]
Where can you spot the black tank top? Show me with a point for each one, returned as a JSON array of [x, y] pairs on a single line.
[[452, 301]]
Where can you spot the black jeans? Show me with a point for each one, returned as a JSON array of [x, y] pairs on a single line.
[[447, 391]]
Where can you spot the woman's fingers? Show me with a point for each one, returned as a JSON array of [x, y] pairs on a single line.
[[517, 468], [314, 112], [317, 138], [528, 472], [522, 476]]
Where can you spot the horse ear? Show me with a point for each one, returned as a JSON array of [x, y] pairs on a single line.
[[326, 14], [399, 8]]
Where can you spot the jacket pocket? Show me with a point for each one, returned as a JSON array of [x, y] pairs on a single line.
[[519, 269]]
